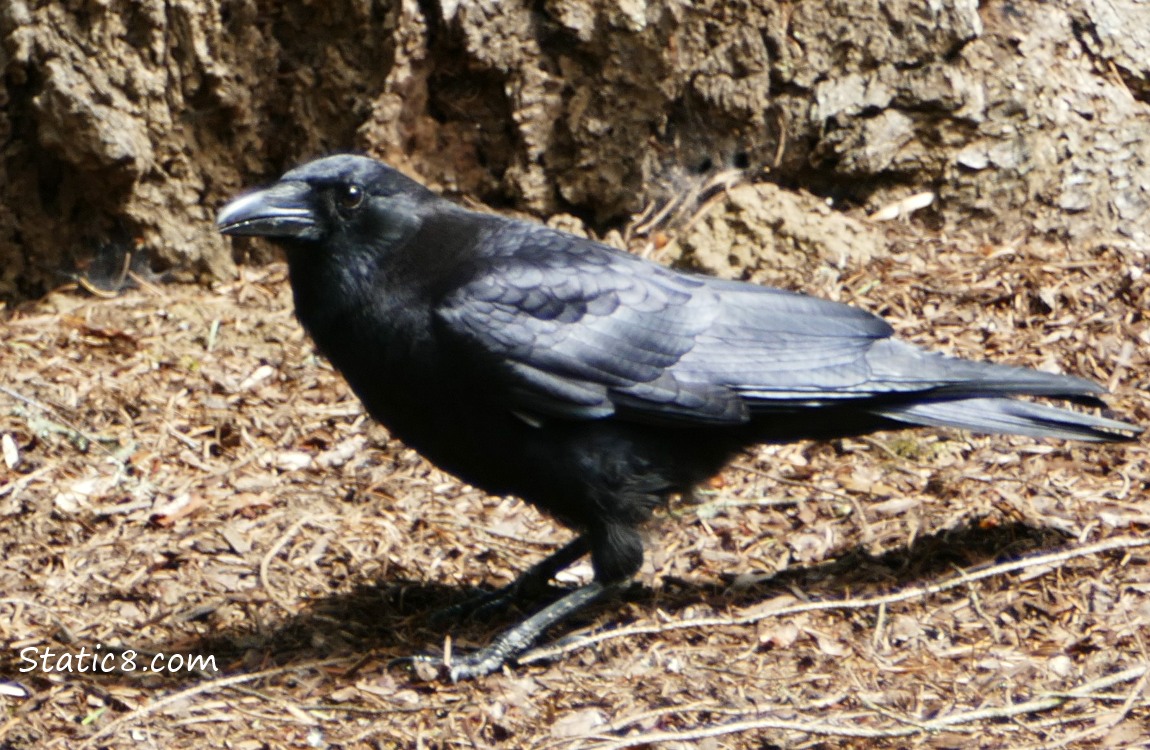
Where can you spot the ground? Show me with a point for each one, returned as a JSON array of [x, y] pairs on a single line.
[[183, 476]]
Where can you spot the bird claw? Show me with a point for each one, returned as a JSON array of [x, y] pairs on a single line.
[[468, 666], [476, 664]]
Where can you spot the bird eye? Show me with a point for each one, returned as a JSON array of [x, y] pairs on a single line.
[[349, 197]]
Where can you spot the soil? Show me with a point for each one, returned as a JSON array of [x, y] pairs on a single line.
[[183, 476]]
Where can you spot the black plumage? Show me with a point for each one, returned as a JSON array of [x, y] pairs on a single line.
[[585, 380]]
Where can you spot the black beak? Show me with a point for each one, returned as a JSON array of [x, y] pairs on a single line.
[[282, 210]]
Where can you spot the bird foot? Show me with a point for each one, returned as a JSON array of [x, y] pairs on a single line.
[[478, 663], [509, 644], [530, 585], [481, 606]]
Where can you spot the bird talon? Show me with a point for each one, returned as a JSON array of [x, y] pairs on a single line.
[[430, 667], [478, 663], [424, 667]]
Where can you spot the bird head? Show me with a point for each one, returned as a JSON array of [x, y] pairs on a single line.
[[344, 197]]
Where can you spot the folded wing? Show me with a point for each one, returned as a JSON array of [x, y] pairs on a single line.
[[584, 331]]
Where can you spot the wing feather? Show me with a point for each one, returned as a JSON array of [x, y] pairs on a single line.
[[586, 331]]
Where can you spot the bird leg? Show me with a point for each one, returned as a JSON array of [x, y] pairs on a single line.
[[514, 641], [529, 584], [616, 552]]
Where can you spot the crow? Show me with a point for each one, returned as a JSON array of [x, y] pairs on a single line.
[[585, 380]]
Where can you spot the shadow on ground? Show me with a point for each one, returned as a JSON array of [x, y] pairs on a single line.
[[382, 622]]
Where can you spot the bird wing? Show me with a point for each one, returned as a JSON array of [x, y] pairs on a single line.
[[577, 329], [580, 330], [576, 332]]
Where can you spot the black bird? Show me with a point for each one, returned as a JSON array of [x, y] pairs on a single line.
[[585, 380]]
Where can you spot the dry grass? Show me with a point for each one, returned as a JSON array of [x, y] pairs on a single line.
[[188, 478]]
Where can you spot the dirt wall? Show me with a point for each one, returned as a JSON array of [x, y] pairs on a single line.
[[125, 124]]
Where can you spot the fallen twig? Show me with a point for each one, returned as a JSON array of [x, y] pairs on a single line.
[[907, 725], [577, 642]]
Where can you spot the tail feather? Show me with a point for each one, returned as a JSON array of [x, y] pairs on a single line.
[[1003, 415], [897, 363]]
